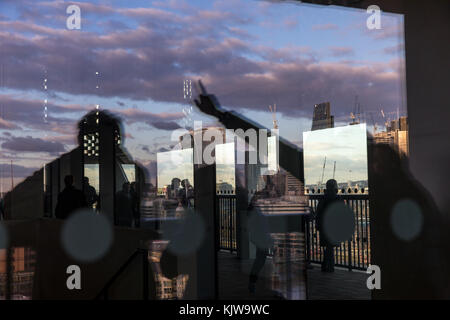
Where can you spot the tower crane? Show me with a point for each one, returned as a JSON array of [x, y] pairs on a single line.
[[355, 115], [323, 170], [334, 169], [274, 116]]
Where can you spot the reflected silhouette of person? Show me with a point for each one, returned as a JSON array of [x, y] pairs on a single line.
[[413, 253], [96, 130], [124, 206], [89, 193], [329, 197], [186, 193], [259, 231], [69, 200], [134, 195]]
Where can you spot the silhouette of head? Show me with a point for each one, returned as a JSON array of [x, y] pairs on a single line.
[[93, 120], [185, 183], [126, 187], [86, 180], [332, 187], [68, 180]]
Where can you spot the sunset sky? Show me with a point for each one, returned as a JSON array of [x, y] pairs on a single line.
[[249, 53]]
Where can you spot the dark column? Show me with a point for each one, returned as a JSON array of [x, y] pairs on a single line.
[[205, 279], [107, 170], [416, 269], [242, 238], [427, 30], [55, 183], [9, 273], [76, 167]]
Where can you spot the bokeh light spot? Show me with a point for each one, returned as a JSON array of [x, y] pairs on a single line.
[[87, 236], [406, 219], [338, 223]]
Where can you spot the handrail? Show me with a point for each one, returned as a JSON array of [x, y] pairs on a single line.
[[104, 291], [354, 253], [354, 196]]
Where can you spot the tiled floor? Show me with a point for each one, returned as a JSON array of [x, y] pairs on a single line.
[[342, 284]]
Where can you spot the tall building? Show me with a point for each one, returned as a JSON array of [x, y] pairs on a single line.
[[396, 136], [322, 117]]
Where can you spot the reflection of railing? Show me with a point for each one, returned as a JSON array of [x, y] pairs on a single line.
[[354, 254], [226, 208]]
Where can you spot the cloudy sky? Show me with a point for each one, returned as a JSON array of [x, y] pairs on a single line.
[[249, 53], [225, 156], [346, 145]]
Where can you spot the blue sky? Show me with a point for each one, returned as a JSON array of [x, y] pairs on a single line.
[[249, 53]]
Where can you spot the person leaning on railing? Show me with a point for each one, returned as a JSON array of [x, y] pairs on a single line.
[[330, 196]]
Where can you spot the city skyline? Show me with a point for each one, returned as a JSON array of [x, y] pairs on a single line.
[[175, 164]]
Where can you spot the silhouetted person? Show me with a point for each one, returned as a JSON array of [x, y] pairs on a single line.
[[69, 200], [97, 132], [260, 231], [89, 193], [291, 157], [186, 193], [330, 196], [414, 263], [124, 206], [134, 195]]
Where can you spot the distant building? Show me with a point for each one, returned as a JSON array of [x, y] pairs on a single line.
[[224, 188], [22, 262], [322, 118], [293, 186], [396, 136]]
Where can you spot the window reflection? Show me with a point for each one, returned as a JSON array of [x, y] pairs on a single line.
[[225, 169], [175, 182], [22, 262], [336, 153], [132, 176]]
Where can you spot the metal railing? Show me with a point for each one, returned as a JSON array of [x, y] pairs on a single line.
[[226, 208], [354, 254]]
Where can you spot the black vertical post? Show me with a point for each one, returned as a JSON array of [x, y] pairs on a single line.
[[107, 172], [241, 207], [350, 254], [308, 241], [145, 266], [216, 247], [204, 264], [287, 245], [230, 224], [9, 274]]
